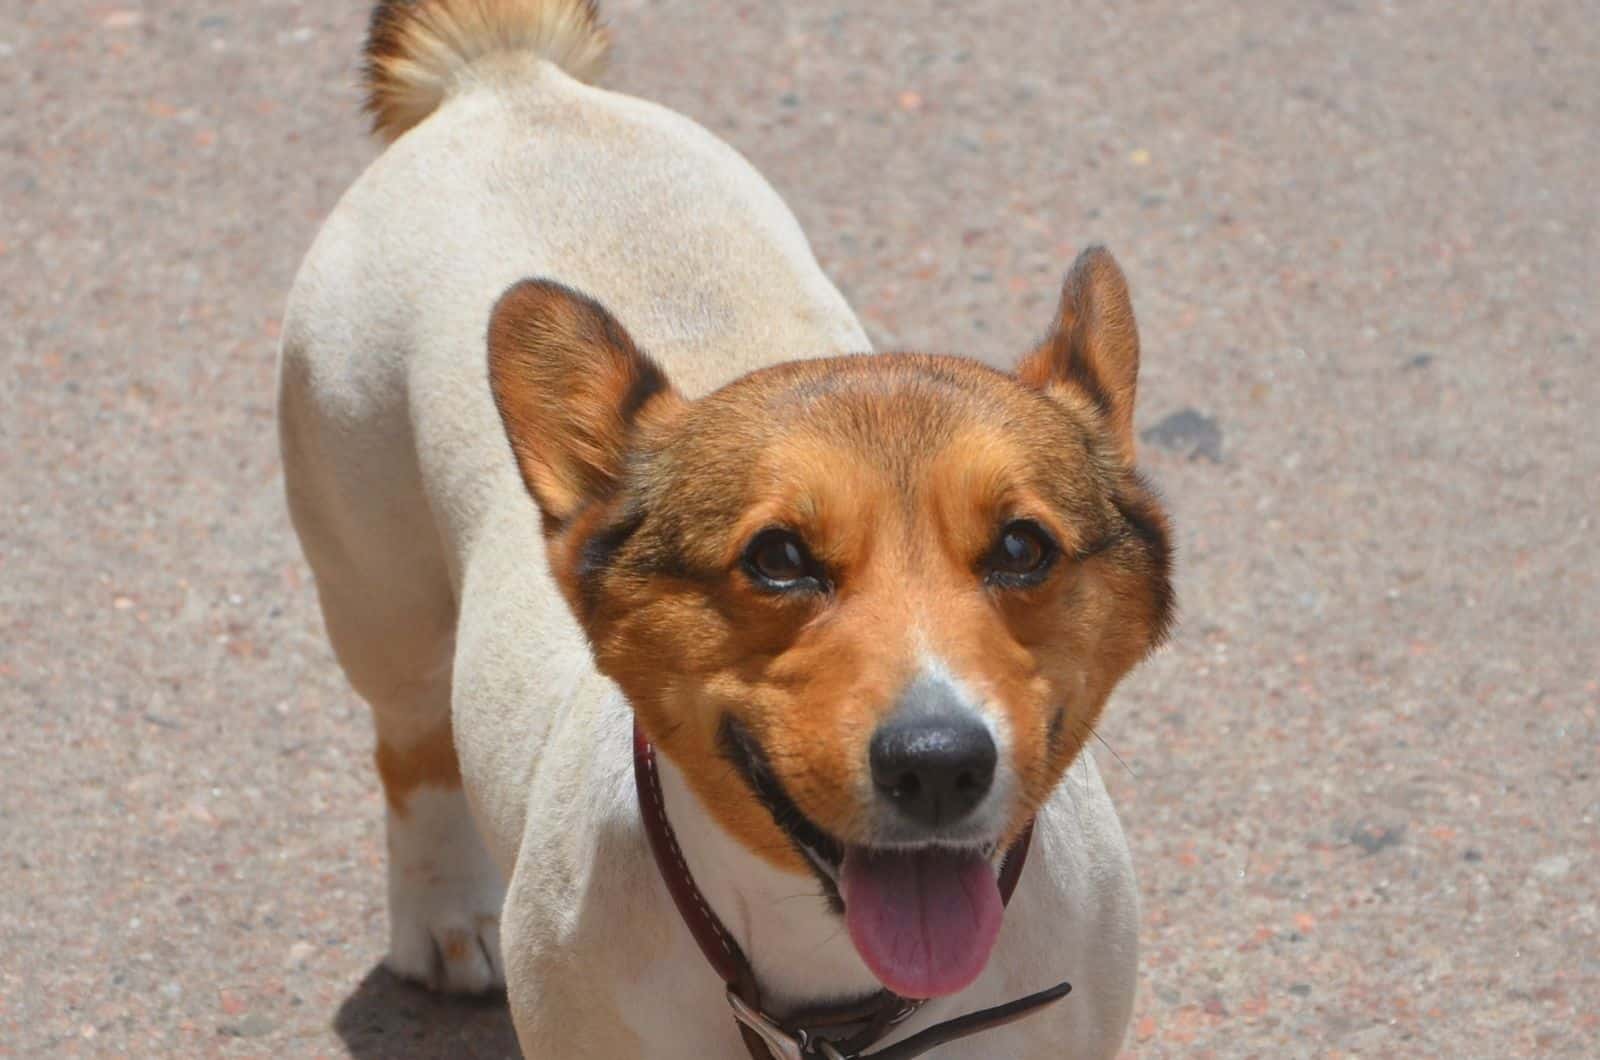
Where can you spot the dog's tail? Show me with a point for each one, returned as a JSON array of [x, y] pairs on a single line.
[[417, 49]]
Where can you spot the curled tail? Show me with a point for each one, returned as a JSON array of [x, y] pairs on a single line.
[[417, 48]]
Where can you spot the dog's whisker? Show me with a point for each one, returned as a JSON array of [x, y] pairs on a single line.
[[828, 940], [812, 895], [1123, 762]]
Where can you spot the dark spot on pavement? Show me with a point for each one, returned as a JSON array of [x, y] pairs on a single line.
[[1472, 855], [1421, 360], [1373, 839], [1300, 989], [1188, 431]]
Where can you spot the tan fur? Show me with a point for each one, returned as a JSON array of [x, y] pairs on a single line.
[[1093, 347], [569, 430], [417, 50], [430, 761], [898, 472]]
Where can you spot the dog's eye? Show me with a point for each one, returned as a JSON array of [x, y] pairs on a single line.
[[778, 559], [1022, 554]]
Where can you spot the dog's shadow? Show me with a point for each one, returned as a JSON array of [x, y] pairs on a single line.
[[387, 1018]]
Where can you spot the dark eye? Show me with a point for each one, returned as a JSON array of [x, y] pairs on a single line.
[[1022, 554], [778, 559]]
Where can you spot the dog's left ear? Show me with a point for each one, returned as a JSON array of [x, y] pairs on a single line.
[[1094, 346], [572, 390]]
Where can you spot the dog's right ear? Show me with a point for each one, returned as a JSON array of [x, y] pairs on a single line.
[[572, 390]]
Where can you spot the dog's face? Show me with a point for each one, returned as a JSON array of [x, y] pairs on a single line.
[[872, 606]]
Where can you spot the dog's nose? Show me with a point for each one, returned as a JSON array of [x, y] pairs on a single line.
[[934, 768]]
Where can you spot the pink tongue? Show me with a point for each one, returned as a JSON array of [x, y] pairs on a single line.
[[923, 921]]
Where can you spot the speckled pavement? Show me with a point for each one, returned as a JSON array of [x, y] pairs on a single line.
[[1363, 782]]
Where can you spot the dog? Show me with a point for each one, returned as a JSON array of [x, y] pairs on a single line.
[[579, 442]]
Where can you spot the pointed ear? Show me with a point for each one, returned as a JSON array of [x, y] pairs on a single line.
[[1094, 346], [572, 390]]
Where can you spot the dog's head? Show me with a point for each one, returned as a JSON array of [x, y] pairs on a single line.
[[871, 606]]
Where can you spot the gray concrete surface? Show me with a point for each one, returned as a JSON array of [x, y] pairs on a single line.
[[1362, 784]]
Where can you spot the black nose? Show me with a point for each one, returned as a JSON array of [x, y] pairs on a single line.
[[934, 769]]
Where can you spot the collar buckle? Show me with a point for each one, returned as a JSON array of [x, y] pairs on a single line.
[[782, 1045], [779, 1042]]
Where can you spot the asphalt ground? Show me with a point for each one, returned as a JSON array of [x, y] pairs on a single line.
[[1362, 784]]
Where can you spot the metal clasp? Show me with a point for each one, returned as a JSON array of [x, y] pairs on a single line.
[[782, 1044], [779, 1042]]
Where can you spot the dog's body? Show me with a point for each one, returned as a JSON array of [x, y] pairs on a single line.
[[433, 573]]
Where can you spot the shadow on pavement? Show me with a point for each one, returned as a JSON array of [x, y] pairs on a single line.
[[387, 1018]]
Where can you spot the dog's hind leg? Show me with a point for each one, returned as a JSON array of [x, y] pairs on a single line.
[[444, 891], [390, 612]]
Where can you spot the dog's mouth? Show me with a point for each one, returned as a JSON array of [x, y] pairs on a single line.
[[924, 918]]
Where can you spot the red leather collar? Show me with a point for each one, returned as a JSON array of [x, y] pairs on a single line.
[[833, 1032]]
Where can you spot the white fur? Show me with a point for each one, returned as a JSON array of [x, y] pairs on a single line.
[[444, 896], [432, 573]]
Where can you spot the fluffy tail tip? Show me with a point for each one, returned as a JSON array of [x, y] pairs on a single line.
[[416, 49]]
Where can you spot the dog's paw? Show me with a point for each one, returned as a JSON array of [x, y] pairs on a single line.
[[444, 898], [453, 951]]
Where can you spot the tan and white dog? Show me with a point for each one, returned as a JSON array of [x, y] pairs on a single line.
[[575, 432]]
